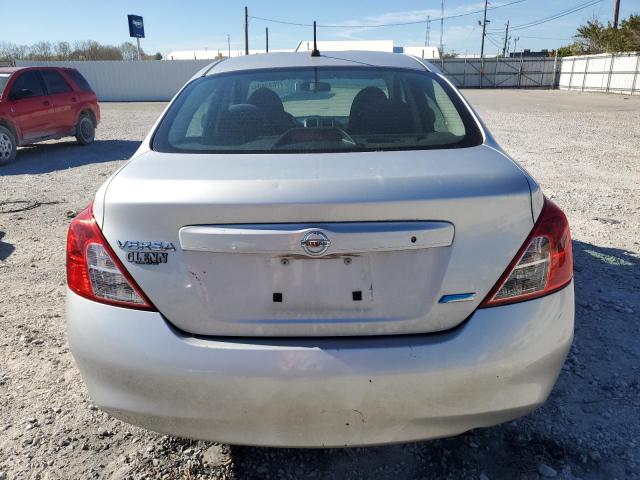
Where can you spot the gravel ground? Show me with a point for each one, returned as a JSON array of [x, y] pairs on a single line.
[[583, 148]]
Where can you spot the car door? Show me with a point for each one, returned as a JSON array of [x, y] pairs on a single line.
[[29, 106], [64, 100]]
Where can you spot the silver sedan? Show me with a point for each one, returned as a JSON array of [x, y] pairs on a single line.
[[319, 251]]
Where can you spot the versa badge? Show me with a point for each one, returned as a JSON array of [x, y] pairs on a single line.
[[147, 253]]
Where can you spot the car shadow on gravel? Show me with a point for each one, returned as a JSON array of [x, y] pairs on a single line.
[[605, 277], [563, 436], [51, 157], [508, 451], [6, 249], [615, 260]]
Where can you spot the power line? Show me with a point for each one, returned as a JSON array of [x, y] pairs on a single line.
[[466, 40], [564, 13], [494, 42], [559, 15], [493, 38], [498, 34], [546, 38], [400, 24]]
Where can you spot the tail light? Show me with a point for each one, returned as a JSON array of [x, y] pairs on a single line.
[[543, 265], [94, 271]]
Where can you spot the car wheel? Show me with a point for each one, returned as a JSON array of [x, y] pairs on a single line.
[[85, 131], [8, 146]]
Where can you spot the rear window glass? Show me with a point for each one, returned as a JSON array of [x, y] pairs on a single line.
[[4, 78], [54, 82], [79, 80], [316, 110]]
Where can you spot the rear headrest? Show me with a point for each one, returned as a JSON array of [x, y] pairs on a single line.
[[365, 104], [368, 95], [372, 112], [238, 125], [266, 99]]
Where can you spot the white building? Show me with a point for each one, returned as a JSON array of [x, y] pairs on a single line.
[[344, 45], [214, 53], [477, 55], [427, 53]]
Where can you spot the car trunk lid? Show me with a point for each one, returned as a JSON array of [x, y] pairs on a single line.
[[248, 234]]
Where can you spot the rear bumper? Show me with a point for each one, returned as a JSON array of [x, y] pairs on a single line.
[[499, 365]]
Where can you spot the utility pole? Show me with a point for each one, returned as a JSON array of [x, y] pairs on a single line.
[[426, 40], [229, 44], [515, 43], [484, 29], [441, 27], [616, 12], [506, 38], [246, 31], [266, 32]]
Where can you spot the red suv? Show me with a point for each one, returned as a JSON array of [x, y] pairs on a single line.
[[44, 103]]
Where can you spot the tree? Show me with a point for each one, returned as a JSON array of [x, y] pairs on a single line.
[[92, 50], [631, 29], [594, 37], [81, 50], [569, 50], [11, 52], [590, 37], [62, 50], [129, 51], [41, 51]]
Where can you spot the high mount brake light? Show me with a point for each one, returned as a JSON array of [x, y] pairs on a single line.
[[93, 269], [543, 265]]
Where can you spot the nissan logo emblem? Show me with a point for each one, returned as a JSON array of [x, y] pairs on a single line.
[[315, 243]]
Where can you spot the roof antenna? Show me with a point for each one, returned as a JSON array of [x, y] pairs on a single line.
[[315, 52]]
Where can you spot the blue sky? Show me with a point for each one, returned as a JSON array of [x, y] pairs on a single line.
[[199, 24]]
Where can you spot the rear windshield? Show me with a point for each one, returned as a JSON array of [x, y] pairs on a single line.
[[4, 78], [79, 80], [316, 110]]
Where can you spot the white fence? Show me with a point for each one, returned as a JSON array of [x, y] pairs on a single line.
[[527, 72], [618, 73], [116, 81], [148, 81]]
